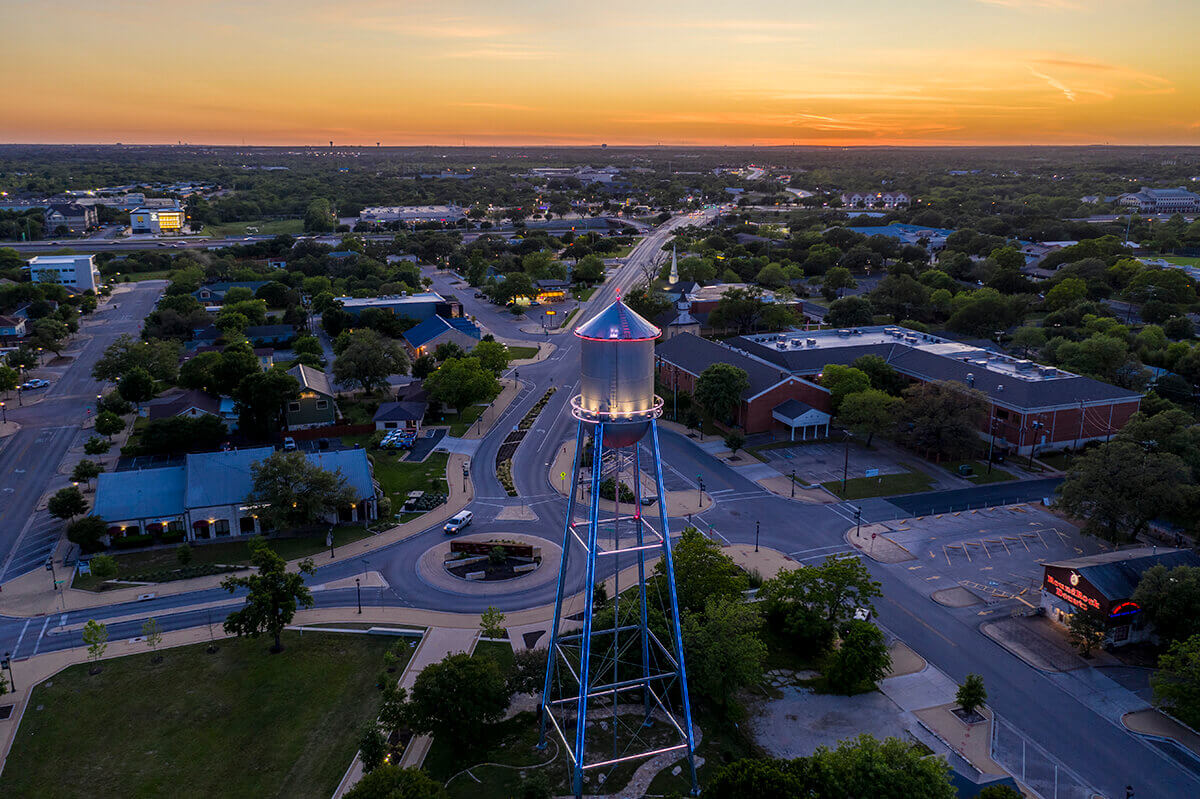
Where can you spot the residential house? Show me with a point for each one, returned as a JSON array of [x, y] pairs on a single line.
[[317, 403], [191, 403], [74, 217], [403, 415], [12, 327], [214, 293], [436, 330], [209, 495]]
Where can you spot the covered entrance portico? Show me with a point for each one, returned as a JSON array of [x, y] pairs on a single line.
[[809, 422]]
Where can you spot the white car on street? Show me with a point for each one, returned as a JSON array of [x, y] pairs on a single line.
[[458, 522]]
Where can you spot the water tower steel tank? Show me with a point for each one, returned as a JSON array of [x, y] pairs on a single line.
[[617, 374]]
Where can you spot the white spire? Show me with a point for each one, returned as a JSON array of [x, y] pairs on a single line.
[[674, 266]]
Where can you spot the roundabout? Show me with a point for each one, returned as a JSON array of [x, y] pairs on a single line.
[[470, 565]]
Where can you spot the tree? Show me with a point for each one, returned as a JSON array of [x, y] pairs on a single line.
[[103, 567], [883, 375], [261, 398], [319, 218], [646, 302], [295, 493], [589, 269], [372, 746], [843, 381], [761, 778], [1086, 630], [1028, 338], [719, 390], [1118, 488], [137, 386], [423, 366], [50, 334], [941, 417], [86, 471], [491, 623], [492, 355], [8, 378], [87, 532], [735, 441], [96, 445], [860, 661], [461, 382], [738, 308], [902, 297], [458, 697], [392, 782], [183, 553], [836, 279], [95, 635], [67, 503], [272, 595], [724, 650], [1176, 685], [368, 360], [108, 424], [152, 632], [811, 602], [850, 312], [999, 792], [702, 572], [1170, 598], [971, 694], [869, 412], [159, 357], [448, 349], [1065, 294]]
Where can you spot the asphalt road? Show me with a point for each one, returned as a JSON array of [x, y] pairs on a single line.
[[1050, 710], [50, 425]]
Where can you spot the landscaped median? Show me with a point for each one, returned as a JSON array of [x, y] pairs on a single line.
[[885, 485]]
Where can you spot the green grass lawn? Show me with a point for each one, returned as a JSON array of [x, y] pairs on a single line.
[[979, 474], [500, 651], [883, 486], [459, 426], [137, 277], [397, 477], [273, 227], [1180, 260], [585, 294], [223, 552], [521, 353], [240, 722], [513, 742]]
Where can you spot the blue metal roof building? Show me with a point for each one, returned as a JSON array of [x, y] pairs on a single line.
[[436, 329], [207, 496]]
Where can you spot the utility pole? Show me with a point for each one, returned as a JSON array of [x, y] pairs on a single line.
[[358, 590], [992, 443]]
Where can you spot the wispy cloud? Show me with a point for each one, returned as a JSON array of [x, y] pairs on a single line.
[[499, 50], [1055, 83], [496, 106]]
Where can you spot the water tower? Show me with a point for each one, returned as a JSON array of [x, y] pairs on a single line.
[[616, 684]]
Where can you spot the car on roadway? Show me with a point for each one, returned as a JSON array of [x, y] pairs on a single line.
[[458, 522], [35, 383], [289, 444]]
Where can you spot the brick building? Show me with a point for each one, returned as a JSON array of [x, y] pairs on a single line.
[[776, 401], [1031, 405]]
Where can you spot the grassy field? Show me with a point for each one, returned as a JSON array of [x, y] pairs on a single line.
[[1180, 260], [240, 722], [398, 477], [137, 277], [883, 486], [512, 742], [500, 651], [521, 353], [273, 227], [225, 552], [979, 474], [459, 426]]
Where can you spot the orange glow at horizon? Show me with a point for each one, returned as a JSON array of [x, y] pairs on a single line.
[[405, 72]]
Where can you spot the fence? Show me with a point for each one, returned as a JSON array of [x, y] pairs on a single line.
[[1033, 766]]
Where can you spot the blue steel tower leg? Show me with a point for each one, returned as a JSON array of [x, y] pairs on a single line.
[[641, 556], [585, 656], [558, 596], [669, 562]]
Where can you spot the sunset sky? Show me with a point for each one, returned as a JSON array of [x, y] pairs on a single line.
[[621, 72]]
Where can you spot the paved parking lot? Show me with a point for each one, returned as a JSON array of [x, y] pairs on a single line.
[[824, 461], [996, 554]]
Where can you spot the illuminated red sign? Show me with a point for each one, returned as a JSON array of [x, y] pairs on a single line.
[[1125, 609], [1071, 594]]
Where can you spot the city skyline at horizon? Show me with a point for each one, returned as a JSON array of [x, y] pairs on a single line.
[[936, 72]]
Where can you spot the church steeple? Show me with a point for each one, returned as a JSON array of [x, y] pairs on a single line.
[[674, 266]]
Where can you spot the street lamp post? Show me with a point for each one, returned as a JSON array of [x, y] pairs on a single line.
[[4, 410], [7, 664], [329, 542], [793, 482], [756, 536], [358, 591]]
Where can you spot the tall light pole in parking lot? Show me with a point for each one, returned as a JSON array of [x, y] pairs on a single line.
[[358, 591], [756, 523], [793, 482], [4, 410]]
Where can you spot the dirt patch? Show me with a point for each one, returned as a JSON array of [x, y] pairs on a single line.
[[1152, 722], [1034, 640], [904, 660], [956, 597], [873, 541]]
